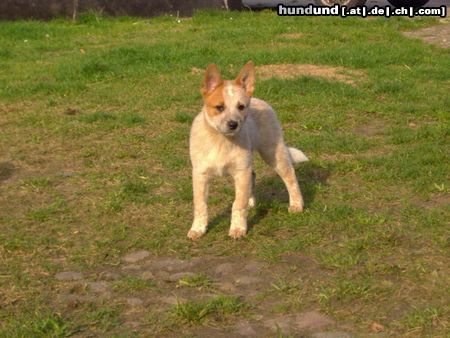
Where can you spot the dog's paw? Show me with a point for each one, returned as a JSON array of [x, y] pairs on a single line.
[[295, 208], [195, 234], [251, 202], [236, 232]]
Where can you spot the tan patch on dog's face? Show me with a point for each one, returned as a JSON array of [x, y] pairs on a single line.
[[214, 101], [229, 96], [226, 102]]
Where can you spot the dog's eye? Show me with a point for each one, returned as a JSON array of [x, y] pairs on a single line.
[[241, 106], [220, 108]]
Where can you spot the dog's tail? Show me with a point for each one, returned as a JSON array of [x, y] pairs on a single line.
[[296, 155]]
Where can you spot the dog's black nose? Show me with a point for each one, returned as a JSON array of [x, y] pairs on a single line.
[[232, 124]]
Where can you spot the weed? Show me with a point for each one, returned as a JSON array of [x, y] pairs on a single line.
[[197, 312], [198, 281]]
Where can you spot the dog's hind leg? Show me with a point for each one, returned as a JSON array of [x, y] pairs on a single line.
[[279, 159], [252, 200]]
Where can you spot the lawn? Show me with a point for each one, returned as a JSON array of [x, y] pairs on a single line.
[[95, 180]]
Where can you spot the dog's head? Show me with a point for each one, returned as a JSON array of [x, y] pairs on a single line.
[[226, 102]]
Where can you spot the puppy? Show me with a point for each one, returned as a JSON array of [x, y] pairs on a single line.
[[231, 125]]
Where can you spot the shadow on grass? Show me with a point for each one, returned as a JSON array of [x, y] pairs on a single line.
[[272, 189], [6, 170]]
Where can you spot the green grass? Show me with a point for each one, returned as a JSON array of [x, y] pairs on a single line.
[[94, 163], [283, 286], [198, 281], [197, 312], [131, 284]]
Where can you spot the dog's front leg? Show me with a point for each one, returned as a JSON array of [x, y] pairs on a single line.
[[200, 187], [242, 182]]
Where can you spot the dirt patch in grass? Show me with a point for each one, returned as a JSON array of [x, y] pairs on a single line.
[[198, 295], [434, 201], [291, 71], [6, 170], [374, 128], [291, 36], [372, 153], [437, 35]]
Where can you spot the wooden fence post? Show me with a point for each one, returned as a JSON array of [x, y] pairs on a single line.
[[75, 9]]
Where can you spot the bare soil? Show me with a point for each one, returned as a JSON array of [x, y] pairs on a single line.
[[438, 35], [291, 36], [255, 282], [291, 71]]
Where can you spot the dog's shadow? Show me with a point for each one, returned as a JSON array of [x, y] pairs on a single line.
[[271, 188]]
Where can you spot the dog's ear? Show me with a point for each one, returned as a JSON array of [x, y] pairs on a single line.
[[246, 78], [212, 80]]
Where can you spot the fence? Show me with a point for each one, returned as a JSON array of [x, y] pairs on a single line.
[[47, 9]]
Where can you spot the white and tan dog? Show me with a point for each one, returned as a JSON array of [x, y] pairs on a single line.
[[223, 137]]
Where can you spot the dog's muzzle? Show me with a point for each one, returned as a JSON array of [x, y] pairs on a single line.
[[232, 124]]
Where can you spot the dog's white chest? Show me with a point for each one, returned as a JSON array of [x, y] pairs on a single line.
[[218, 155], [216, 161]]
